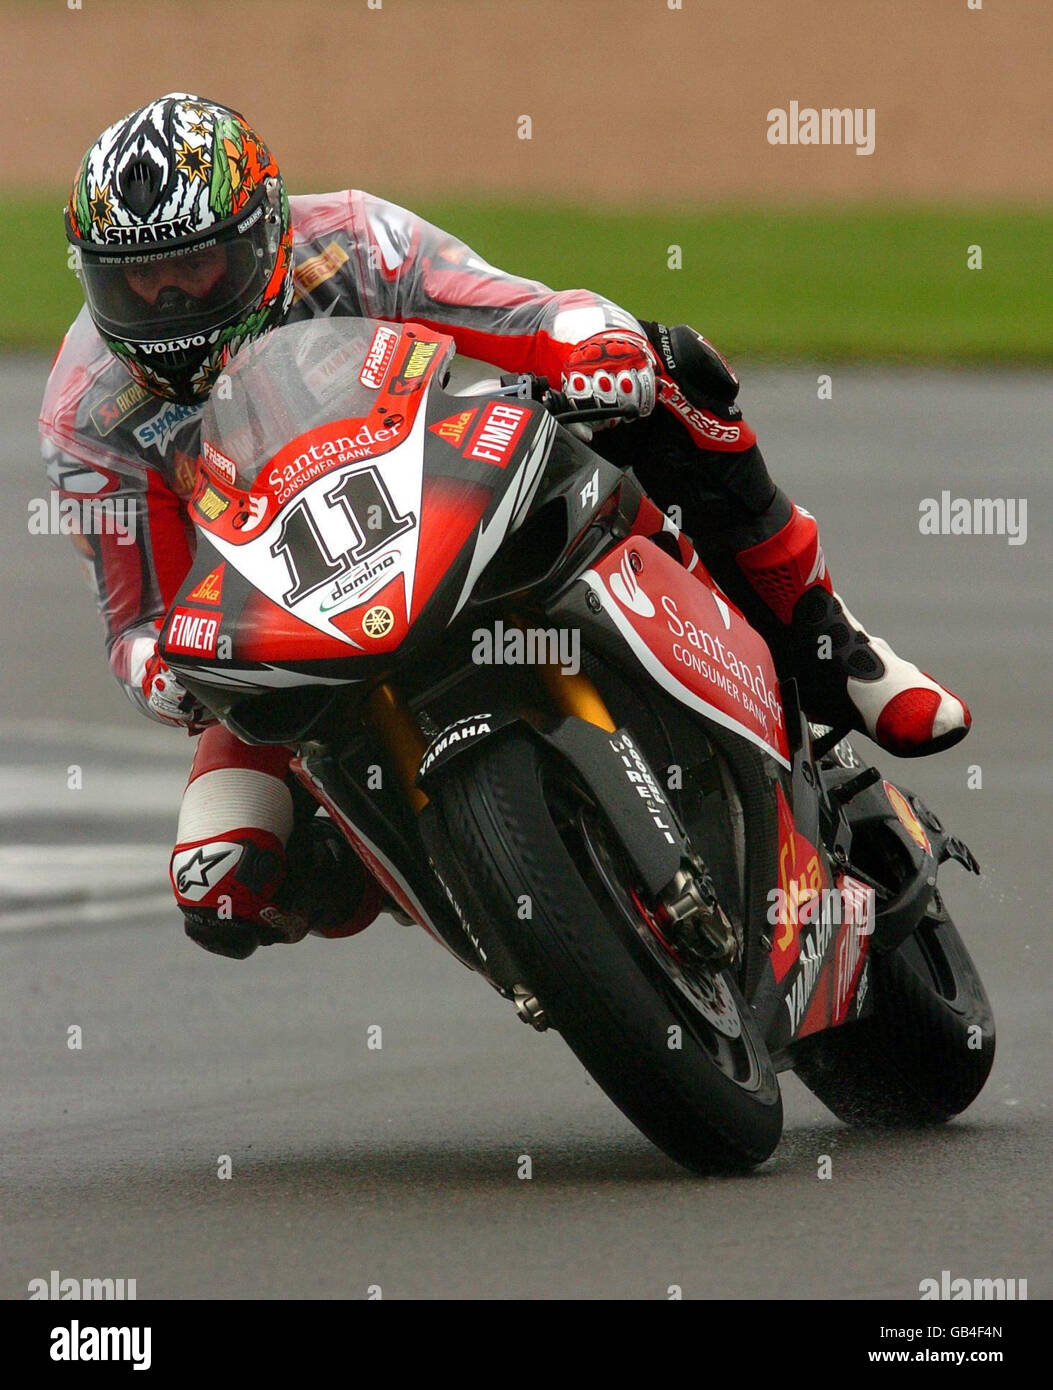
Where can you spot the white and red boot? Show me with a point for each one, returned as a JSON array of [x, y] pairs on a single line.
[[848, 678]]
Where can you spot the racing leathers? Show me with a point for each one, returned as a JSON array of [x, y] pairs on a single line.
[[249, 864]]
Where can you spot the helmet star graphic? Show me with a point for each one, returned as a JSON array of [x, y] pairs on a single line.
[[193, 161], [100, 207], [203, 863]]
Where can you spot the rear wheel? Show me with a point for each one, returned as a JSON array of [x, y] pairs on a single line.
[[671, 1043], [924, 1053]]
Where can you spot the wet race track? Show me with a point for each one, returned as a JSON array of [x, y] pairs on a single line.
[[351, 1166]]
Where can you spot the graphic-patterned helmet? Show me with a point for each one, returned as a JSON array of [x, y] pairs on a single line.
[[181, 221]]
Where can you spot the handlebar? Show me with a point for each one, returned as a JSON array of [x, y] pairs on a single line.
[[558, 404]]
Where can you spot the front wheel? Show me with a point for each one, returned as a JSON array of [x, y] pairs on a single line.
[[672, 1044], [925, 1051]]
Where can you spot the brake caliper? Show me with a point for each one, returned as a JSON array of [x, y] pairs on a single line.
[[693, 920]]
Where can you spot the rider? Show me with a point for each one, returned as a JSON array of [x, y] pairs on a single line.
[[188, 248]]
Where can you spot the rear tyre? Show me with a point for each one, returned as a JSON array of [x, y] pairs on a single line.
[[674, 1047], [924, 1053]]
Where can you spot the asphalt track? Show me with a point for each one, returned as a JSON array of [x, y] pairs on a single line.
[[353, 1167]]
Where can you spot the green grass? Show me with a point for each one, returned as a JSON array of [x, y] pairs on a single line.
[[815, 284]]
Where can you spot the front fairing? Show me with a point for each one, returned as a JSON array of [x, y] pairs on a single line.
[[329, 553]]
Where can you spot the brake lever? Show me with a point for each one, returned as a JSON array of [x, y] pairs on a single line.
[[571, 415]]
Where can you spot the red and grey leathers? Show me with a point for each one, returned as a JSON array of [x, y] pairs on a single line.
[[104, 437]]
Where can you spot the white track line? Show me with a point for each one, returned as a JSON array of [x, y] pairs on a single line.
[[152, 740], [86, 913]]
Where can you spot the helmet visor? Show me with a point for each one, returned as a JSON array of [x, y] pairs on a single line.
[[144, 296]]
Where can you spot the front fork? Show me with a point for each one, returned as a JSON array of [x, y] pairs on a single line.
[[687, 908]]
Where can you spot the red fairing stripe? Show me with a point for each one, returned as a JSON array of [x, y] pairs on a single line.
[[650, 520], [362, 849]]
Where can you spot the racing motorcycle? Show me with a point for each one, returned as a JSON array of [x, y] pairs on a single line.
[[562, 750]]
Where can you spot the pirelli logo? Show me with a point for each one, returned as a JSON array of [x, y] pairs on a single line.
[[312, 272]]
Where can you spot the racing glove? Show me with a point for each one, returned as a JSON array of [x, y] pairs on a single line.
[[170, 701], [612, 368]]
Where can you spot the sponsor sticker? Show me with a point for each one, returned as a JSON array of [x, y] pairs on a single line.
[[219, 463], [156, 231], [463, 730], [414, 367], [210, 590], [293, 473], [857, 913], [496, 435], [185, 476], [211, 505], [453, 428], [157, 432], [251, 514], [309, 274], [907, 818], [192, 632], [109, 413], [378, 358]]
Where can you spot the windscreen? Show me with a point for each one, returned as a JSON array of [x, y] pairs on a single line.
[[294, 379]]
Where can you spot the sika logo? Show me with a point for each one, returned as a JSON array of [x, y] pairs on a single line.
[[210, 590], [378, 358], [452, 429]]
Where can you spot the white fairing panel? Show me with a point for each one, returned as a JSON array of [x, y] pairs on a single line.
[[264, 564]]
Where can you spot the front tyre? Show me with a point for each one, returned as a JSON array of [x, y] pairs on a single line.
[[674, 1046]]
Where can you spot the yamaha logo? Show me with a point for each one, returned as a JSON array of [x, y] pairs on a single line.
[[378, 621]]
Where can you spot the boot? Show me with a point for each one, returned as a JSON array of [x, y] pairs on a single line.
[[847, 678]]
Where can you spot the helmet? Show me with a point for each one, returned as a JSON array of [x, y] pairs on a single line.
[[181, 221]]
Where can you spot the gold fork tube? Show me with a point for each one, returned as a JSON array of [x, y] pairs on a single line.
[[401, 737], [576, 695]]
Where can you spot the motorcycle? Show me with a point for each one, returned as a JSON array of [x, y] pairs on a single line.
[[562, 750]]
